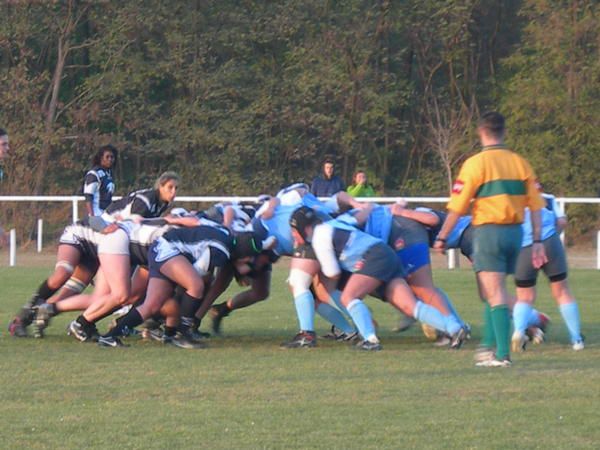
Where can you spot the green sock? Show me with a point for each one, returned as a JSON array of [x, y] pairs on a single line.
[[489, 337], [501, 322]]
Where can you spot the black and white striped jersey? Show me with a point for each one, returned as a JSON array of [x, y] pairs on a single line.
[[83, 237], [98, 188], [145, 203], [142, 236], [242, 215], [206, 247]]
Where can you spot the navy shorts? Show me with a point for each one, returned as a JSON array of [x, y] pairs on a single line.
[[381, 262], [555, 269]]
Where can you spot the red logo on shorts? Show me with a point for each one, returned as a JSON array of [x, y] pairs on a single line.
[[359, 265], [399, 244], [457, 187]]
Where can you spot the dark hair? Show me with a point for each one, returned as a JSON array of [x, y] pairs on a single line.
[[245, 244], [105, 148], [165, 177], [302, 218], [3, 132], [493, 123], [328, 161]]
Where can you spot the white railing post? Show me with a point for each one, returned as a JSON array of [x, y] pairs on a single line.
[[75, 209], [40, 233], [453, 261], [598, 251], [12, 259], [562, 205]]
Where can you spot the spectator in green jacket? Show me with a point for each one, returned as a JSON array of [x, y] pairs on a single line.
[[360, 187]]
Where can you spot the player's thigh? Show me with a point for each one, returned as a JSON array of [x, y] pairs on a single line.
[[358, 286]]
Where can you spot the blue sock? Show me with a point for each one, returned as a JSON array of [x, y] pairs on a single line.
[[451, 307], [522, 316], [334, 317], [362, 319], [305, 310], [570, 314], [431, 316], [534, 318], [336, 297]]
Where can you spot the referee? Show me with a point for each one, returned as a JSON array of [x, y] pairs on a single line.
[[501, 184]]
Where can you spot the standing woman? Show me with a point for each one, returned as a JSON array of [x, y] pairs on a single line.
[[98, 184]]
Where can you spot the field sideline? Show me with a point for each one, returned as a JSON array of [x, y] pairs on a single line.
[[245, 392]]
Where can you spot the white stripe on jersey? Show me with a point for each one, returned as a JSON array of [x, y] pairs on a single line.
[[76, 234], [144, 234], [168, 249]]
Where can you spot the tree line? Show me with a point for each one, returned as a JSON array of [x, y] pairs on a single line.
[[241, 97]]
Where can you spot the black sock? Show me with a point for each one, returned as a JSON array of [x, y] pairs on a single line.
[[86, 324], [130, 320], [223, 309], [188, 323], [170, 331], [45, 291], [189, 305]]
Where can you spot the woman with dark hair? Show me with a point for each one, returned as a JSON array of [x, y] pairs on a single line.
[[98, 185]]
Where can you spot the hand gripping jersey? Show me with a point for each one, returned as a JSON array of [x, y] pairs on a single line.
[[206, 247], [396, 231], [278, 226], [141, 237]]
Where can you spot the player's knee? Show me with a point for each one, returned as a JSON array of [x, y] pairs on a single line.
[[258, 295], [65, 266], [299, 281]]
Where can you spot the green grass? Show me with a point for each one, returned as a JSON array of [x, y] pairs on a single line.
[[245, 392]]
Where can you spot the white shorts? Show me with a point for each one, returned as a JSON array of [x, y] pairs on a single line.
[[116, 243]]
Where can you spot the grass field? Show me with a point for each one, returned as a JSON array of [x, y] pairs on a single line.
[[246, 392]]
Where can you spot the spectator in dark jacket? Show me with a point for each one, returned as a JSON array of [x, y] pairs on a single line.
[[327, 184]]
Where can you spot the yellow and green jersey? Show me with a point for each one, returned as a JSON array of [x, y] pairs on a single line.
[[501, 184]]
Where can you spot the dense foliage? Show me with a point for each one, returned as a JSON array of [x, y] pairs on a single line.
[[241, 97]]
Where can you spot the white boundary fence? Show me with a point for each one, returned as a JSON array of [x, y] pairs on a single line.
[[453, 256]]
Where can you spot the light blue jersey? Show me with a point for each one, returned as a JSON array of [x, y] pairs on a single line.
[[549, 215], [379, 222], [336, 240], [453, 239], [279, 225]]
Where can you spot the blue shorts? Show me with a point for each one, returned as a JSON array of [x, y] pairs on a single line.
[[414, 257]]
